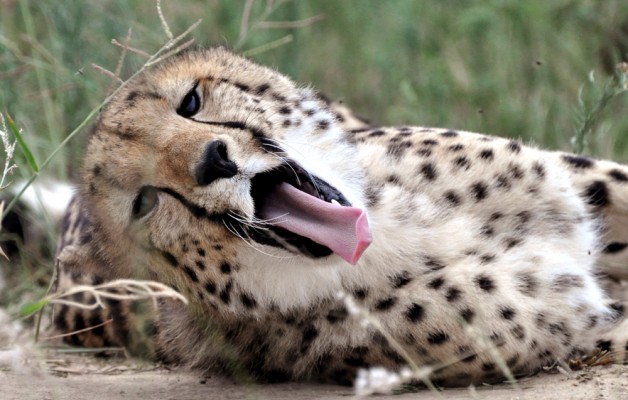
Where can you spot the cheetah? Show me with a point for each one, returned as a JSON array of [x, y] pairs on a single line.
[[311, 245]]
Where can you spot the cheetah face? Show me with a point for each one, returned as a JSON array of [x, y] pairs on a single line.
[[211, 148]]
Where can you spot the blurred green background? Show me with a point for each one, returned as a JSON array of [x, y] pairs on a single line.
[[512, 68]]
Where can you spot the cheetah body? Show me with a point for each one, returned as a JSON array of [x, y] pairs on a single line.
[[484, 251]]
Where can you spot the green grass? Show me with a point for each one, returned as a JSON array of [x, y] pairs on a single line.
[[513, 68]]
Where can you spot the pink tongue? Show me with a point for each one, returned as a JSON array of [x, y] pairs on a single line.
[[344, 230]]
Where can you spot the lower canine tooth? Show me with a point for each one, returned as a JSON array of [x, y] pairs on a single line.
[[334, 201]]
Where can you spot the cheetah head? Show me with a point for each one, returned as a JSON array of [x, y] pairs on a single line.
[[211, 153]]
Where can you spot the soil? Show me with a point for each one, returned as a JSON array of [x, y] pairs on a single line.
[[85, 377]]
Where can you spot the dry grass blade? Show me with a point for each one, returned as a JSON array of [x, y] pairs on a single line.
[[108, 73], [2, 253], [164, 23], [130, 48], [9, 149], [134, 290], [127, 39], [246, 18], [291, 24], [79, 331], [269, 46]]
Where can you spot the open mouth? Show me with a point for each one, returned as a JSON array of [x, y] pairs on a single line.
[[305, 215]]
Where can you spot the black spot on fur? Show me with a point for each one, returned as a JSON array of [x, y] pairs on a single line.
[[507, 313], [262, 89], [377, 133], [401, 279], [511, 242], [456, 147], [497, 339], [514, 146], [437, 338], [538, 169], [618, 175], [429, 171], [360, 293], [467, 314], [479, 191], [59, 318], [487, 367], [285, 110], [518, 332], [210, 287], [398, 149], [462, 162], [372, 194], [190, 272], [527, 284], [415, 313], [394, 179], [355, 361], [225, 294], [597, 194], [337, 314], [225, 267], [310, 333], [485, 283], [487, 155], [452, 198], [436, 283], [487, 258], [248, 301], [200, 264], [618, 308], [433, 264], [495, 216], [429, 142], [424, 152], [130, 99], [453, 294], [322, 124], [512, 361], [516, 172], [466, 353], [94, 321], [449, 134], [615, 247], [385, 304], [578, 161], [172, 260], [487, 231]]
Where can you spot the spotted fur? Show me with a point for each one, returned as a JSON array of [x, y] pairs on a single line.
[[478, 242]]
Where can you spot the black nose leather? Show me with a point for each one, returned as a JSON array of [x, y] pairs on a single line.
[[215, 164]]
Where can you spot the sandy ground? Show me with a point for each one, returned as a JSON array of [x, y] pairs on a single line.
[[73, 377]]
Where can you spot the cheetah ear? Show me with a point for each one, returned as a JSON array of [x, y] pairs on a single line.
[[604, 187]]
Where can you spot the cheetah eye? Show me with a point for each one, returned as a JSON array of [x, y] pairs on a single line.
[[190, 105], [145, 201]]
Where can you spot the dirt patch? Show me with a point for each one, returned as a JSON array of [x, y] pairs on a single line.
[[74, 377]]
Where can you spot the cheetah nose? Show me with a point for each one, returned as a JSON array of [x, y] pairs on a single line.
[[215, 164]]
